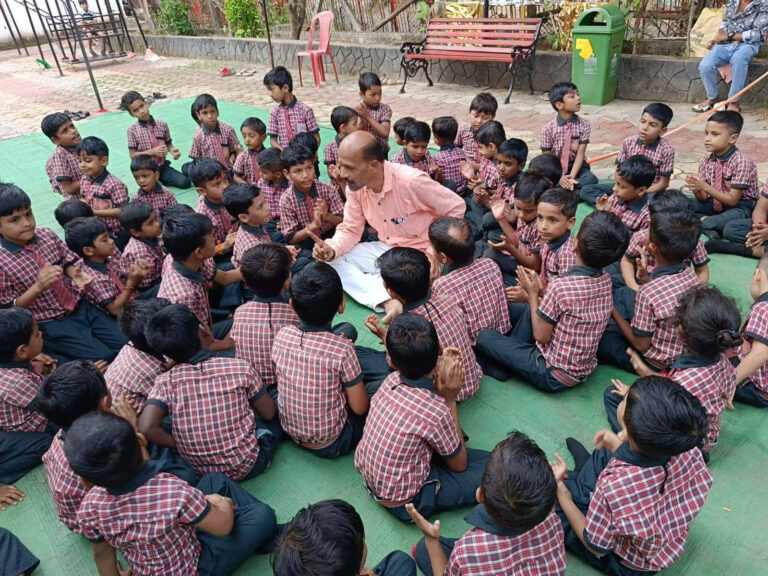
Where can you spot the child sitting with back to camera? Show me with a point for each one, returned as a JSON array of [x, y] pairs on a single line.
[[449, 158], [752, 370]]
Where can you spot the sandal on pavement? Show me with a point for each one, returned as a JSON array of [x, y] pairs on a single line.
[[703, 107], [226, 72], [158, 95]]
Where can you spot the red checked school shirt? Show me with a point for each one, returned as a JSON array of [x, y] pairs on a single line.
[[19, 385]]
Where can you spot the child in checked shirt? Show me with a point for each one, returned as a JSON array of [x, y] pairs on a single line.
[[141, 221], [213, 138], [449, 158], [752, 371], [376, 117], [150, 190], [63, 165], [629, 200], [482, 110], [514, 526], [415, 153], [246, 167], [290, 117], [626, 509]]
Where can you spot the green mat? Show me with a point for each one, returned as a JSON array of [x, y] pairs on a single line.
[[728, 537]]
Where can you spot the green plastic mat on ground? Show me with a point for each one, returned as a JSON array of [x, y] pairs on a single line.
[[728, 537]]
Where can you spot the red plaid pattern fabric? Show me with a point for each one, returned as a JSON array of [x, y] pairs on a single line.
[[141, 249], [578, 304], [254, 328], [273, 194], [756, 328], [160, 199], [633, 217], [20, 266], [737, 171], [331, 152], [643, 513], [447, 316], [64, 485], [382, 113], [295, 212], [218, 144], [463, 285], [711, 384], [660, 153], [538, 552], [528, 236], [223, 222], [182, 286], [553, 136], [104, 193], [246, 166], [407, 422], [248, 237], [133, 373], [152, 526], [698, 258], [285, 121], [558, 259], [312, 369], [19, 385], [490, 174], [63, 165], [449, 158], [506, 190], [213, 422], [104, 287], [465, 139], [144, 136], [402, 157], [655, 308]]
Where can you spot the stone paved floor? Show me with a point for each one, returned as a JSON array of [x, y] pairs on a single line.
[[28, 93]]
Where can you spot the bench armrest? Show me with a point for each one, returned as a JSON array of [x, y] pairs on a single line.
[[412, 47]]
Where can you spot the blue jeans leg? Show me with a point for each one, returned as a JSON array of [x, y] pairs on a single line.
[[719, 54], [740, 59]]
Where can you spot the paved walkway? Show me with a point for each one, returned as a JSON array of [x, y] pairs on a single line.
[[28, 93]]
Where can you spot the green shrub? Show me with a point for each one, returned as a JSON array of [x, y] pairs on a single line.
[[244, 17], [173, 17]]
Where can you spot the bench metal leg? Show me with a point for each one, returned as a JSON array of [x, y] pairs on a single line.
[[426, 73], [410, 68], [511, 82]]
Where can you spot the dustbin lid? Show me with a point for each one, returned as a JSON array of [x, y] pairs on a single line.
[[604, 19]]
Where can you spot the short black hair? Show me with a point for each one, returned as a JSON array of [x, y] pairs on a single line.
[[732, 120], [71, 209], [172, 211], [200, 103], [144, 162], [202, 170], [72, 390], [484, 103], [413, 345], [93, 146], [602, 239], [270, 159], [638, 170], [549, 166], [375, 150], [669, 200], [279, 76], [255, 124], [134, 214], [81, 232], [324, 539], [133, 319], [445, 128], [709, 322], [103, 449], [663, 419], [341, 116], [295, 154], [401, 125], [491, 132], [52, 122], [316, 293], [660, 111], [442, 234], [559, 91], [237, 198], [406, 272], [17, 326], [514, 148], [174, 332], [12, 199], [530, 186], [368, 80], [185, 233], [675, 234], [566, 200], [418, 132], [518, 484], [307, 140], [265, 269], [129, 98]]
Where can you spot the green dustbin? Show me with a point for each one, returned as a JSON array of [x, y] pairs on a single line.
[[598, 36]]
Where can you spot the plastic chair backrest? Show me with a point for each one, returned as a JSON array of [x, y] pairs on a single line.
[[325, 20]]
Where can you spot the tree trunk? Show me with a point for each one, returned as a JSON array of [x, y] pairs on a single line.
[[298, 11], [350, 14]]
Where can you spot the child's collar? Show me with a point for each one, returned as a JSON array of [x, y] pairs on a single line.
[[453, 267], [100, 178], [158, 189], [12, 247], [652, 146], [301, 195], [257, 230], [725, 155], [407, 307], [306, 327], [513, 180], [584, 270], [561, 120], [638, 205], [450, 146], [211, 205], [72, 149], [98, 266], [207, 130], [669, 270], [558, 242], [279, 299], [199, 356], [151, 122], [16, 365], [151, 242], [629, 456], [188, 273], [252, 152], [290, 104], [338, 139], [684, 361], [147, 472], [479, 518], [425, 382], [763, 297]]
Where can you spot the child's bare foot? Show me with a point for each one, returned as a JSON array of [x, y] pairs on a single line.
[[640, 367]]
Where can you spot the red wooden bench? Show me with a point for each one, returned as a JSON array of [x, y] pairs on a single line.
[[509, 40]]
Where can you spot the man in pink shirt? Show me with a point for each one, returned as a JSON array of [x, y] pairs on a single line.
[[398, 201]]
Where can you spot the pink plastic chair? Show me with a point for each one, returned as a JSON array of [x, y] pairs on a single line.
[[325, 19]]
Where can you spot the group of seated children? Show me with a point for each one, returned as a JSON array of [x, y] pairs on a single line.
[[182, 346]]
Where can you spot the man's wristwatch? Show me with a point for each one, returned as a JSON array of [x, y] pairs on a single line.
[[730, 36]]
